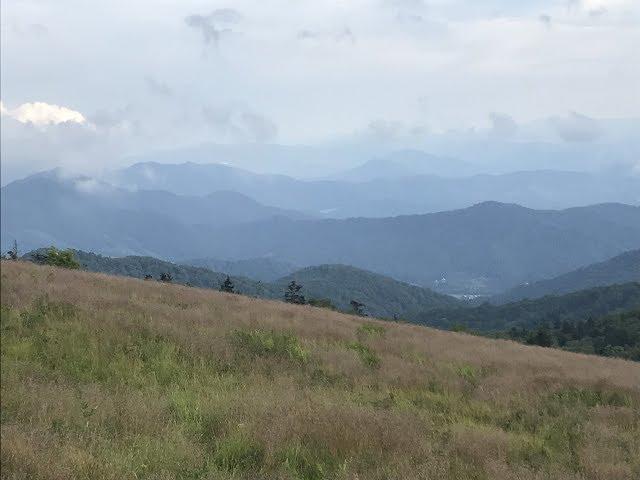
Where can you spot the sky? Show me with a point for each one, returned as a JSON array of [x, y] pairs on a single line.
[[88, 84]]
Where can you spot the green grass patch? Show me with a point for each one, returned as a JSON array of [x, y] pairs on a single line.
[[308, 463], [371, 330], [366, 354], [268, 343], [238, 452]]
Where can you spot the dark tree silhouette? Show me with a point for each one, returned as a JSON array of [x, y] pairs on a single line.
[[148, 277], [227, 286], [358, 308], [293, 295], [13, 253], [166, 277]]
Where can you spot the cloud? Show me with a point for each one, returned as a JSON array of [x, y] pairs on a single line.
[[344, 34], [238, 124], [158, 88], [209, 25], [40, 114], [576, 127], [545, 20], [502, 125]]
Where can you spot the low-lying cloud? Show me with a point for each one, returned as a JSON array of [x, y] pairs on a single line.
[[576, 127]]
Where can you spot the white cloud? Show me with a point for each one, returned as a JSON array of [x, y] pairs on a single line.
[[40, 113]]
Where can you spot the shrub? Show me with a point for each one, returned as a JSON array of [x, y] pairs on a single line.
[[59, 258], [322, 303]]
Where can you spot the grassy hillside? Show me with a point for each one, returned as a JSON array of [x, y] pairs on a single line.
[[382, 296], [111, 378], [622, 268]]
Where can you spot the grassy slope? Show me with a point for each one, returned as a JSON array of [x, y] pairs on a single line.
[[106, 377]]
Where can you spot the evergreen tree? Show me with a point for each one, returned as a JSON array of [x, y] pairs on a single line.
[[166, 277], [358, 308], [293, 295], [227, 286]]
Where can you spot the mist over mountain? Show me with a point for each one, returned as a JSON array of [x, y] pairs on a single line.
[[84, 213], [264, 269], [388, 187]]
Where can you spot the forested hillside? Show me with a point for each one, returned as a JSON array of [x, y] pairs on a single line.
[[616, 335], [581, 305], [381, 296], [622, 268]]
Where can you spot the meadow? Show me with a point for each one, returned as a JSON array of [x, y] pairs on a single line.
[[117, 378]]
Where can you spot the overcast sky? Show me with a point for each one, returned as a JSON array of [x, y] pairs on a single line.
[[100, 80]]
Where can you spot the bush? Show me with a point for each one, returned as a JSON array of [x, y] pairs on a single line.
[[322, 303], [59, 258]]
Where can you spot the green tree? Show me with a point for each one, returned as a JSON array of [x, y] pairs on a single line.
[[227, 286], [293, 295], [542, 337], [58, 258]]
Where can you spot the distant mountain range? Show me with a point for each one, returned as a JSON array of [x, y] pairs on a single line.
[[48, 209], [623, 268], [387, 187], [405, 163], [483, 249]]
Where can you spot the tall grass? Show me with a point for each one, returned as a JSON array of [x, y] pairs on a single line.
[[112, 378]]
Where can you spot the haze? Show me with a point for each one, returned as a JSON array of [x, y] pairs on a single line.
[[502, 85]]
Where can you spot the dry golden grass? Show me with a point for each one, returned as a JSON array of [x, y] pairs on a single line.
[[110, 378]]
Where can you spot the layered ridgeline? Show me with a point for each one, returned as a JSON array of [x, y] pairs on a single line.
[[620, 269], [106, 377], [84, 213], [335, 286], [486, 248], [398, 184], [483, 249]]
